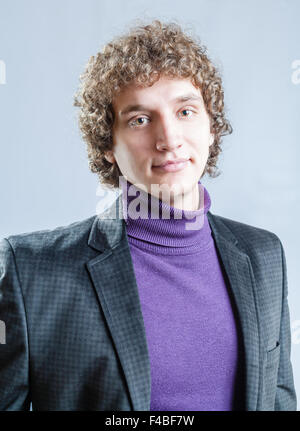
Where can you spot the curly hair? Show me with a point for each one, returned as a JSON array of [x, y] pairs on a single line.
[[142, 55]]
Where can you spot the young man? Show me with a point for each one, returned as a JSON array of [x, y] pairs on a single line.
[[119, 312]]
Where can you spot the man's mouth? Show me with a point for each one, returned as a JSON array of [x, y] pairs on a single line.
[[173, 166]]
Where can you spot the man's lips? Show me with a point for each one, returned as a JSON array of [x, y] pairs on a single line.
[[173, 166], [171, 162]]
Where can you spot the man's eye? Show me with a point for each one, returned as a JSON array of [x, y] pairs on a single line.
[[187, 112], [138, 121]]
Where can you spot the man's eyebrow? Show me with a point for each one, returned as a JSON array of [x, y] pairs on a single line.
[[179, 99]]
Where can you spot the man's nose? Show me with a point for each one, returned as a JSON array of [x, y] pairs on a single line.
[[167, 134]]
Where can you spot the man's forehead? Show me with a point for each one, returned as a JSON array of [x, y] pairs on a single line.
[[134, 96]]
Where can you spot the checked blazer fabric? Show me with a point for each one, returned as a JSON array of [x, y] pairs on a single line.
[[75, 337]]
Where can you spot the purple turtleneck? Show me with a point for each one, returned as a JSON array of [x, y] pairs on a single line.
[[189, 315]]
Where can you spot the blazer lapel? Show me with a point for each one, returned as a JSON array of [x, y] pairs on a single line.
[[238, 268], [114, 280]]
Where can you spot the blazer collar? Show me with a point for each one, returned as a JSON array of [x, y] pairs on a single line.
[[108, 228]]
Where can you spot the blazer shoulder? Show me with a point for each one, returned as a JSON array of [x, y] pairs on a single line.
[[61, 237], [248, 236]]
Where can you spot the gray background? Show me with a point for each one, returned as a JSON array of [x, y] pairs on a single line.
[[44, 177]]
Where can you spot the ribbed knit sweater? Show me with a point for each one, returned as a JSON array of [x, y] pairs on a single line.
[[190, 321]]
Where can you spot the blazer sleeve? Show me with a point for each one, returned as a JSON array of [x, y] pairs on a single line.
[[285, 393], [14, 351]]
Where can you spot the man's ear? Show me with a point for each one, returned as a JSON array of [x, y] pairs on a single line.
[[110, 157]]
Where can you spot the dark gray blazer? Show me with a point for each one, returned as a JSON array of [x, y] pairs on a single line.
[[75, 337]]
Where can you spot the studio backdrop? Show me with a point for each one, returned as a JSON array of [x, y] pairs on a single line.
[[45, 179]]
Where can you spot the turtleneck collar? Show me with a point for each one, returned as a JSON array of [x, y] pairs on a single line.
[[168, 226]]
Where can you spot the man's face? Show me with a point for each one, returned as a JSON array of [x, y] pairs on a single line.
[[155, 124]]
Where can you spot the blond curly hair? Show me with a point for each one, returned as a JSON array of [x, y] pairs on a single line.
[[142, 55]]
